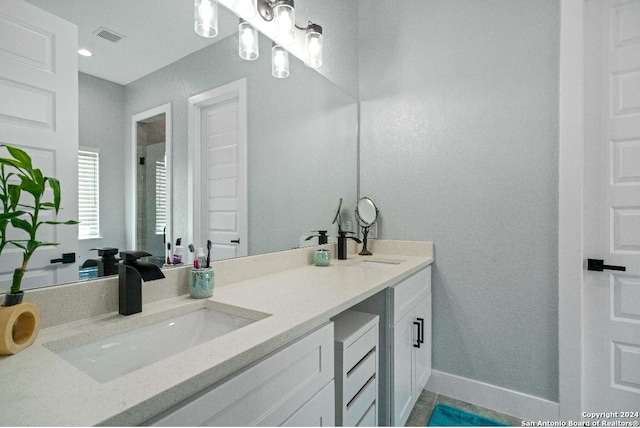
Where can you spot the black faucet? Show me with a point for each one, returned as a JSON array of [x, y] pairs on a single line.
[[131, 274], [342, 243], [107, 264]]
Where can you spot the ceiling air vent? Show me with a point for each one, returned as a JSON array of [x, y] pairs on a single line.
[[105, 33]]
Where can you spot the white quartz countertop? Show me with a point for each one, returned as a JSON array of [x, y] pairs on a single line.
[[40, 388]]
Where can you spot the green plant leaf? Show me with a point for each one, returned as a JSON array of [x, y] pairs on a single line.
[[37, 244], [62, 222], [10, 215], [28, 185], [21, 156], [14, 196], [12, 162], [19, 245], [21, 224], [55, 186]]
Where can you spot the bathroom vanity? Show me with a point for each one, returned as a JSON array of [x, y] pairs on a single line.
[[273, 368]]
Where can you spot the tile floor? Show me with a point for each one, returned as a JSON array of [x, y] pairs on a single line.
[[427, 401]]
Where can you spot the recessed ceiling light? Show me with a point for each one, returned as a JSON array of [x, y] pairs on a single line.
[[85, 52]]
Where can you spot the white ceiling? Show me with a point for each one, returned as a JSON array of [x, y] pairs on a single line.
[[156, 33]]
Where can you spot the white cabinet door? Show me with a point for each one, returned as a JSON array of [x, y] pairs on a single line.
[[402, 372], [423, 353], [411, 338]]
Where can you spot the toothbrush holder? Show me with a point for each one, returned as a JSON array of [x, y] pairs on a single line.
[[201, 283]]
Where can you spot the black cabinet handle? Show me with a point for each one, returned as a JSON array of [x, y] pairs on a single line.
[[67, 258], [421, 330], [235, 241], [417, 344], [598, 266]]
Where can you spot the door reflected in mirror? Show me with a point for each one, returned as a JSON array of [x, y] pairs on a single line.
[[152, 196]]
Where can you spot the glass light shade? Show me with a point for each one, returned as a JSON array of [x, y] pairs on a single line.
[[285, 18], [313, 46], [279, 62], [247, 41], [206, 17], [245, 8]]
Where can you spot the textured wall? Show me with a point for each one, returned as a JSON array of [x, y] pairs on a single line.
[[302, 148], [102, 126], [459, 145], [339, 21]]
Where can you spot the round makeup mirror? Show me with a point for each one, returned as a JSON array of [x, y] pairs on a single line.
[[366, 215], [366, 212]]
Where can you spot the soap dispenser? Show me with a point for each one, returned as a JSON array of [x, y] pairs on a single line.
[[322, 237]]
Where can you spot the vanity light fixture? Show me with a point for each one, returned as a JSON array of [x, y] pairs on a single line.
[[206, 18], [285, 16], [245, 8], [279, 61], [247, 41], [313, 46]]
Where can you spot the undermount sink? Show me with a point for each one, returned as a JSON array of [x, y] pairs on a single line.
[[376, 264], [122, 353]]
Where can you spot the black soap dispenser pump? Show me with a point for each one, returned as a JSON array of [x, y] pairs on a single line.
[[322, 237]]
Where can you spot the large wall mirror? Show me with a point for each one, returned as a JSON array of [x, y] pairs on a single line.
[[301, 131]]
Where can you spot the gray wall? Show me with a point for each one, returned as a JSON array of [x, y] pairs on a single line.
[[459, 145], [102, 125], [302, 141], [339, 20]]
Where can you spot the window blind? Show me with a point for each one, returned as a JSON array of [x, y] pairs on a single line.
[[88, 194], [161, 196]]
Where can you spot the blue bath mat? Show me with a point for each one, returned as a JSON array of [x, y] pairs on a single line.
[[448, 416]]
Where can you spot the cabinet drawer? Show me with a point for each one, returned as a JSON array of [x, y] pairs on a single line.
[[268, 392], [361, 403], [409, 292], [370, 419], [360, 374], [317, 412], [360, 348]]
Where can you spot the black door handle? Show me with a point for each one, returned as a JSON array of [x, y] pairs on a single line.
[[417, 344], [598, 266], [235, 241], [66, 259], [421, 330]]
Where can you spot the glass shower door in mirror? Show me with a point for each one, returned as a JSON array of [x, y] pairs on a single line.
[[152, 172]]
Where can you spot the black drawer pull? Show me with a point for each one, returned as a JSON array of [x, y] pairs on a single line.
[[417, 344], [421, 330]]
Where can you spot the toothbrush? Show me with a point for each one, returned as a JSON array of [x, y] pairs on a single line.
[[208, 254]]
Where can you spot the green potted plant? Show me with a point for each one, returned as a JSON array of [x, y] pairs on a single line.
[[22, 194]]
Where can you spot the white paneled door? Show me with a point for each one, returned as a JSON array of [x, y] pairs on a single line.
[[39, 113], [611, 298], [219, 146]]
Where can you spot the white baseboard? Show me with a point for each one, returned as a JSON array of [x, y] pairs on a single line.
[[493, 397]]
